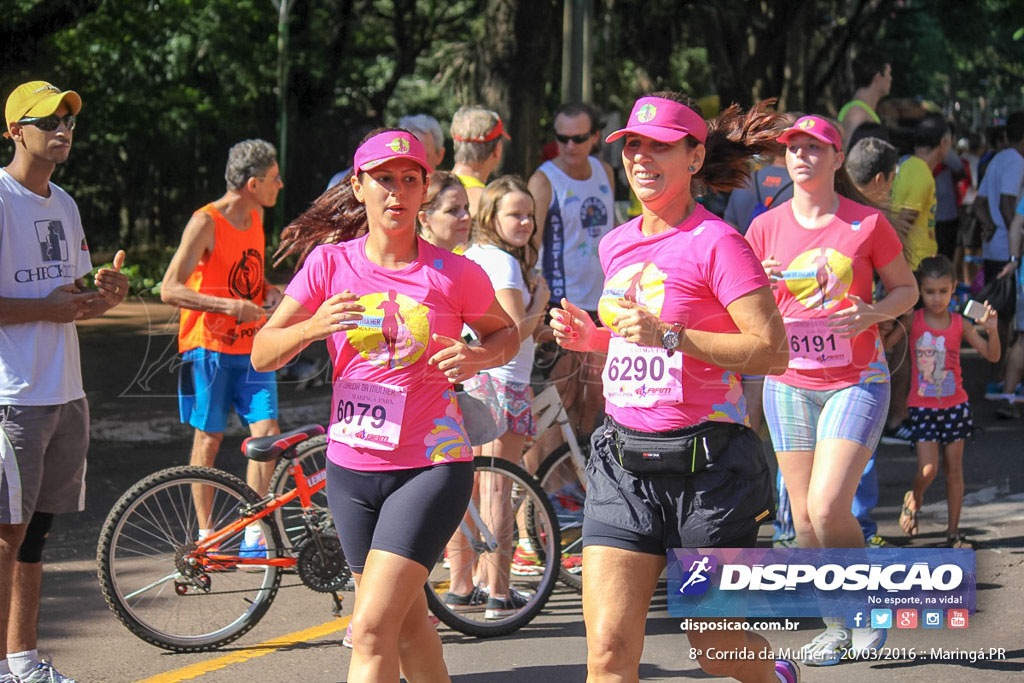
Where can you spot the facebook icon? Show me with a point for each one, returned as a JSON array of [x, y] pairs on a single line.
[[856, 620]]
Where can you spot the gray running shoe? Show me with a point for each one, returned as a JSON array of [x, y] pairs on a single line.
[[44, 673]]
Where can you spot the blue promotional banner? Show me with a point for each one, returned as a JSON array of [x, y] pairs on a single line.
[[813, 582]]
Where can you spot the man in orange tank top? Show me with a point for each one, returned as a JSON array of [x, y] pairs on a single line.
[[216, 278]]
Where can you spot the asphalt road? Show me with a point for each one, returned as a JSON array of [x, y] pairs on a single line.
[[130, 379]]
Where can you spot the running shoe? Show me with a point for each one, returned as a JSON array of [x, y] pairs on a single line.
[[787, 671], [828, 647], [257, 549], [784, 542], [8, 678], [867, 639], [347, 640], [901, 434], [994, 390], [526, 563], [1006, 410], [499, 608], [475, 600], [573, 564], [44, 673], [876, 541]]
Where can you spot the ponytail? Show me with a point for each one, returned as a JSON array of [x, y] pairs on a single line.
[[733, 138], [335, 216]]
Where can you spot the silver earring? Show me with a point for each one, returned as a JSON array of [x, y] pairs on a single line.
[[692, 169]]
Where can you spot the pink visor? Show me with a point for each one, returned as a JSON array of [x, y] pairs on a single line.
[[391, 144], [662, 120], [816, 127]]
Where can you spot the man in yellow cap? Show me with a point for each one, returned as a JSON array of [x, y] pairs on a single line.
[[44, 417]]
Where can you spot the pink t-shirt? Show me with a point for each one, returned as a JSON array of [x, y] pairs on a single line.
[[687, 275], [820, 267], [404, 308], [935, 380]]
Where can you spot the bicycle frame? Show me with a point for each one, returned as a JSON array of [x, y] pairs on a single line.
[[548, 411], [304, 489]]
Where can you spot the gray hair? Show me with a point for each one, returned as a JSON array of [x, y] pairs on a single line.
[[423, 124], [472, 122], [248, 159]]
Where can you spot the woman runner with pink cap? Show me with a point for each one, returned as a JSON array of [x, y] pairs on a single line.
[[826, 413], [686, 308], [391, 307]]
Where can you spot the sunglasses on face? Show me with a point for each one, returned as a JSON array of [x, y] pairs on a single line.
[[51, 122], [578, 139]]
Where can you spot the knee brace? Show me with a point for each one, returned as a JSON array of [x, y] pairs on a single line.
[[31, 550]]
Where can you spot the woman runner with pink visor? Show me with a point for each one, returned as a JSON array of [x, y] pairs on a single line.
[[826, 413], [391, 307], [685, 309]]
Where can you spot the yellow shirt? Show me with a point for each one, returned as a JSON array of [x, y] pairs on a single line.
[[914, 188]]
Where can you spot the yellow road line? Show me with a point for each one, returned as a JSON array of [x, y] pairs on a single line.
[[187, 673]]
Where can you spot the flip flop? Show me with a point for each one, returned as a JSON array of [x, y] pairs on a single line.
[[958, 541], [908, 517]]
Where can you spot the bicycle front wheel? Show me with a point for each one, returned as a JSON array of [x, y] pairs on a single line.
[[566, 488], [312, 455], [155, 580], [472, 588]]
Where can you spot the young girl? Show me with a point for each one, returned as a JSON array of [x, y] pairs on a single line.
[[502, 245], [939, 411]]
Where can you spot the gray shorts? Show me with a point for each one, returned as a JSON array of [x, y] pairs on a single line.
[[42, 459], [722, 506]]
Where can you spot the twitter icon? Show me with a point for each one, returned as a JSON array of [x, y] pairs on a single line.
[[881, 618]]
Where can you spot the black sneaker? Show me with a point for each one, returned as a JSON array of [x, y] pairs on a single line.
[[499, 608], [475, 600], [1007, 410], [901, 434]]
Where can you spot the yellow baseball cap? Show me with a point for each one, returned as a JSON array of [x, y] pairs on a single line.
[[38, 98]]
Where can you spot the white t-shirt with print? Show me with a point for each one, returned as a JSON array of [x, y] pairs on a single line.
[[42, 246], [504, 272]]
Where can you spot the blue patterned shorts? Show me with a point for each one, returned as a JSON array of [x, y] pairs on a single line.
[[944, 425]]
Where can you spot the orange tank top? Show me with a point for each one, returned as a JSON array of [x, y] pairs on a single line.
[[234, 270]]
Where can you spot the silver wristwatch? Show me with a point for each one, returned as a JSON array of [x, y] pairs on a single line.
[[670, 340]]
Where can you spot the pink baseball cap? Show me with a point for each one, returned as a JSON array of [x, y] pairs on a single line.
[[816, 127], [662, 120], [391, 144]]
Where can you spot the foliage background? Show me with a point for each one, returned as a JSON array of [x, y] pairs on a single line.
[[170, 85]]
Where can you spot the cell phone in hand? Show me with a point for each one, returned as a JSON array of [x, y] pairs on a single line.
[[974, 310]]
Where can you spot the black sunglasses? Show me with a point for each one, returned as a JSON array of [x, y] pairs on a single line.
[[50, 122], [578, 139]]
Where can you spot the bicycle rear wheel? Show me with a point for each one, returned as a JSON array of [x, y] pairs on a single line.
[[483, 547], [564, 486], [312, 455], [156, 582]]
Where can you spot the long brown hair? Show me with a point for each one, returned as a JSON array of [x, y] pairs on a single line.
[[734, 136], [335, 216], [485, 227]]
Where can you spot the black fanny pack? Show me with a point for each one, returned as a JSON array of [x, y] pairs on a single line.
[[676, 453]]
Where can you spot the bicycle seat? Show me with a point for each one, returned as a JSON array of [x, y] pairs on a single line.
[[265, 448]]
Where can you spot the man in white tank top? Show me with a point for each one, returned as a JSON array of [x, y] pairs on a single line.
[[574, 198]]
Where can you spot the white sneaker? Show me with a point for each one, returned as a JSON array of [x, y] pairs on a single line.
[[8, 678], [44, 673], [868, 639], [827, 648]]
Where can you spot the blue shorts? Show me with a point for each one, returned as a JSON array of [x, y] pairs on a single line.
[[944, 425], [211, 383], [799, 418]]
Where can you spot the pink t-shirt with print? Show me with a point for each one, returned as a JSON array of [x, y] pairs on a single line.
[[404, 308], [687, 275], [820, 268], [935, 380]]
